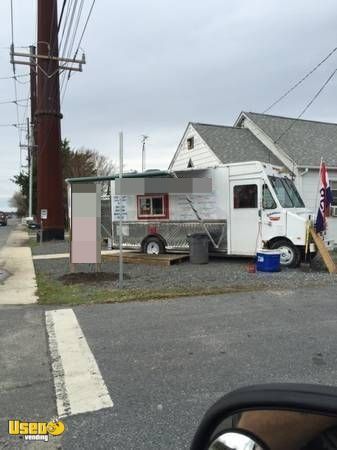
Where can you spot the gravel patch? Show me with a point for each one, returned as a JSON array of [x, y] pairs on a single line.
[[219, 273], [51, 247]]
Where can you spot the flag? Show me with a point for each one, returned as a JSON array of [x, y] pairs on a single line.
[[325, 199]]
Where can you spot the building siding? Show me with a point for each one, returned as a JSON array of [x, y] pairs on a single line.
[[201, 155]]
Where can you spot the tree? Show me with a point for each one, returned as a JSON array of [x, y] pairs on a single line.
[[19, 201], [75, 163]]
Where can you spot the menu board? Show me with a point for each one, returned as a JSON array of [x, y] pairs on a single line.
[[120, 207], [205, 204]]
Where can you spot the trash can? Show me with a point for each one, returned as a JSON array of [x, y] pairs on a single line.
[[198, 244]]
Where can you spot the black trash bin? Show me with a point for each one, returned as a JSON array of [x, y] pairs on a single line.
[[198, 243]]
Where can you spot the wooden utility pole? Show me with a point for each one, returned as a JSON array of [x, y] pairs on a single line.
[[33, 96], [48, 119], [32, 149], [46, 116]]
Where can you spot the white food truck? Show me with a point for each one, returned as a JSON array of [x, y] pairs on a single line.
[[252, 205]]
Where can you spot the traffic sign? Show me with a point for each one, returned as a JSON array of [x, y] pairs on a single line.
[[44, 213]]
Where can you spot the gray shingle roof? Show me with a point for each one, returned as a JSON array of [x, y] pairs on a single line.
[[234, 144], [306, 142]]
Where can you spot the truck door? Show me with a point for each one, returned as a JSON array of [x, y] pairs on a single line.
[[245, 203]]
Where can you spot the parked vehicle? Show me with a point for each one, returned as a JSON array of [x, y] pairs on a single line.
[[252, 205], [3, 219], [271, 417]]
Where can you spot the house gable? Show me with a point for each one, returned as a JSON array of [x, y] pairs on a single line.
[[193, 152], [303, 142], [245, 121]]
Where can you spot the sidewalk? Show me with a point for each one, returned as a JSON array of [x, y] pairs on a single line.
[[16, 258]]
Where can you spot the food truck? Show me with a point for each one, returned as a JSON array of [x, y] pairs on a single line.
[[251, 205]]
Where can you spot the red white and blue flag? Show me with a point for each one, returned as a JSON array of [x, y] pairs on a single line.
[[325, 199]]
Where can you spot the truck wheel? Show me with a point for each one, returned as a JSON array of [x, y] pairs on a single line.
[[290, 254], [153, 246]]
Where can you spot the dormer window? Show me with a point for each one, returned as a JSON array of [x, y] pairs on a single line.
[[190, 143]]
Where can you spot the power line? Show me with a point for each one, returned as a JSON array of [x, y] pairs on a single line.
[[7, 102], [318, 93], [79, 43], [300, 81], [15, 125], [85, 26], [61, 15], [65, 22], [79, 14], [16, 76]]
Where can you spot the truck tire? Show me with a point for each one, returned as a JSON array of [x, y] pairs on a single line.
[[153, 246], [290, 254]]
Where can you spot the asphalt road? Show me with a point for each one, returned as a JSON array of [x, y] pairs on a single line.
[[165, 362], [5, 230]]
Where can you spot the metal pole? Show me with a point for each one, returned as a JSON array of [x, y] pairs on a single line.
[[144, 152], [30, 164], [120, 232], [143, 156]]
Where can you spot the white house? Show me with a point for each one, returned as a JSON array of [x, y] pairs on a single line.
[[296, 144]]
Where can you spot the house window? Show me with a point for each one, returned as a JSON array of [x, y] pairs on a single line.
[[190, 164], [333, 186], [152, 206], [190, 143], [245, 196]]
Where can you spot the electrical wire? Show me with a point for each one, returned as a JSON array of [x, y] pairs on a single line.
[[79, 43], [65, 22], [85, 26], [298, 83], [307, 106], [61, 16], [16, 76], [66, 77], [7, 102], [69, 13]]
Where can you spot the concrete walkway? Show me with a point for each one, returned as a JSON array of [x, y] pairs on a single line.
[[16, 259]]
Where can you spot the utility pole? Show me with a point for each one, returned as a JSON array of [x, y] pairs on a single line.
[[144, 139], [33, 98], [47, 65], [30, 169], [32, 149], [48, 117]]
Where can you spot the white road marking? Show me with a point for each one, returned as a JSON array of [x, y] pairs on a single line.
[[79, 385]]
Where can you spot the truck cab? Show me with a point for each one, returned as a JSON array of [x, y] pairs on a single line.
[[265, 205]]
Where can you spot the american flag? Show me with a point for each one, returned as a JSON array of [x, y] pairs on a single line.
[[325, 199]]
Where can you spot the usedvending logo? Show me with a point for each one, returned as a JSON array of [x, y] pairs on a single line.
[[35, 431]]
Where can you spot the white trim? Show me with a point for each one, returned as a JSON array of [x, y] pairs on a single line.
[[268, 142]]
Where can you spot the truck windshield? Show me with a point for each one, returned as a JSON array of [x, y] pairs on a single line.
[[286, 192]]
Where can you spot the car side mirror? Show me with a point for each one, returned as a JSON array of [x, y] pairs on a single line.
[[271, 417]]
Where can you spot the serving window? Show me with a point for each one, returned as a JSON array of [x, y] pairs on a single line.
[[152, 206]]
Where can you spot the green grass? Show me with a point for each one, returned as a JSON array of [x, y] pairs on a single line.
[[32, 242], [53, 292]]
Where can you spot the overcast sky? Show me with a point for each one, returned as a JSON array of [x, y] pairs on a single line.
[[154, 65]]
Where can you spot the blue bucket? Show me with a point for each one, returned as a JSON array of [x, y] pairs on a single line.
[[268, 261]]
